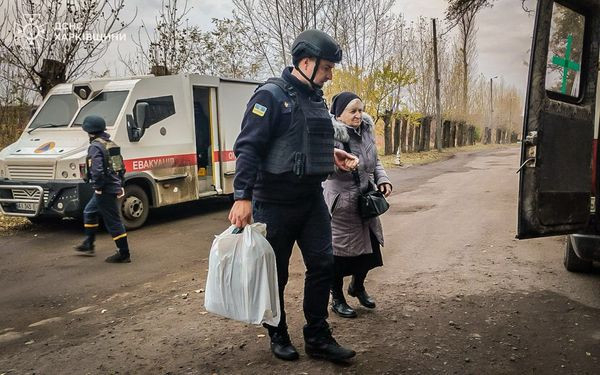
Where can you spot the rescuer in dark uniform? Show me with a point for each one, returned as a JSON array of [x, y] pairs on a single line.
[[105, 170], [284, 151]]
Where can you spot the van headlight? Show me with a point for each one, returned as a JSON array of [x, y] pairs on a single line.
[[65, 174], [73, 166]]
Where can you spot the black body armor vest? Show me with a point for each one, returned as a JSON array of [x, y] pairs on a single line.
[[306, 148], [113, 160]]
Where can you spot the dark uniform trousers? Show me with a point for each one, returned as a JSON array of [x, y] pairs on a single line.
[[107, 205], [309, 224]]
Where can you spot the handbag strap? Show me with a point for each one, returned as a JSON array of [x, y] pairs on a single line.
[[354, 172]]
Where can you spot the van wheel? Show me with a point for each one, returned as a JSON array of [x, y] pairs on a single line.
[[134, 207], [572, 262]]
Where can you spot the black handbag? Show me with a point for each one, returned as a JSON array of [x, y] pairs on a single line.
[[371, 203]]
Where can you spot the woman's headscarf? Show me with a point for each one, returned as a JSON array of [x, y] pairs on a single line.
[[341, 101]]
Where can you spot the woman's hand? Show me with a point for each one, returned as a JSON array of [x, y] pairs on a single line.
[[344, 160], [385, 189]]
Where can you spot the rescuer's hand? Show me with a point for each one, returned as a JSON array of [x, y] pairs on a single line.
[[98, 192], [241, 213], [121, 193], [344, 161], [385, 189]]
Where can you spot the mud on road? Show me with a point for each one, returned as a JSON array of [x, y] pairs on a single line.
[[457, 294]]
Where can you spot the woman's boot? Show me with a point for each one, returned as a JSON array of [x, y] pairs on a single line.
[[357, 289]]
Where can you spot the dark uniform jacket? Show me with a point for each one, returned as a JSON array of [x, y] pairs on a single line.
[[102, 178], [266, 118]]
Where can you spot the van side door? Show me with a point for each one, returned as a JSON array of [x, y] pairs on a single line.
[[555, 185]]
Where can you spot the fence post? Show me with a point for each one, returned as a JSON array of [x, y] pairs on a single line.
[[411, 136], [396, 133], [403, 134]]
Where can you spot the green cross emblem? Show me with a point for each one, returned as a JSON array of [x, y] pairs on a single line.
[[566, 64]]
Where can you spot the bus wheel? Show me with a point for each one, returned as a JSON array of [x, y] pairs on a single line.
[[134, 207], [572, 262]]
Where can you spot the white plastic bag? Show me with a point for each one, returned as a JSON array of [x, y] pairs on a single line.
[[242, 277]]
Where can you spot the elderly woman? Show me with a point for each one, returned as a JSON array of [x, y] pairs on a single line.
[[356, 242]]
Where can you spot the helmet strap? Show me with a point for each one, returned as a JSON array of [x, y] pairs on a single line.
[[313, 75], [315, 69]]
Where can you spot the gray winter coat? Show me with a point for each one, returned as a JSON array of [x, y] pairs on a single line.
[[350, 233]]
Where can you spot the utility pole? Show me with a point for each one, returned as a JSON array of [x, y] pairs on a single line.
[[438, 103], [510, 111], [491, 104]]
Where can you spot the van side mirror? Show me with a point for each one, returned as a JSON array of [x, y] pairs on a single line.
[[135, 126], [140, 114]]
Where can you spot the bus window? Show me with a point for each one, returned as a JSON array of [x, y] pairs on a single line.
[[563, 73]]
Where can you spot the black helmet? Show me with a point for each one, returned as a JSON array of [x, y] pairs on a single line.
[[315, 43], [93, 124]]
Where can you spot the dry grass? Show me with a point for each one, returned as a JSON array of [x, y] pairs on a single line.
[[419, 158], [12, 122], [11, 224]]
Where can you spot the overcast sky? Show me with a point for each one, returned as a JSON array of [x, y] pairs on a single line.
[[503, 37]]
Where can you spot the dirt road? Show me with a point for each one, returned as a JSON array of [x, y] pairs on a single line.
[[458, 294]]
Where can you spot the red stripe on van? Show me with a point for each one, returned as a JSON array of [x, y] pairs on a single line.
[[223, 156], [158, 162]]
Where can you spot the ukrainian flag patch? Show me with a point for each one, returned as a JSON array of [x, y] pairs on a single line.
[[259, 110]]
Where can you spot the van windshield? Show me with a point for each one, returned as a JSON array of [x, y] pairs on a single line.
[[106, 105], [58, 111]]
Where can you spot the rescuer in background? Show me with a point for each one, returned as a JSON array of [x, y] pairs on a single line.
[[105, 171]]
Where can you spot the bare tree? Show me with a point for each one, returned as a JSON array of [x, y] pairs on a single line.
[[15, 103], [222, 53], [359, 26], [273, 24], [170, 46], [421, 94], [468, 52], [53, 41], [457, 9]]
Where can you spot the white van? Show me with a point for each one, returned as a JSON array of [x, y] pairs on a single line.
[[176, 135]]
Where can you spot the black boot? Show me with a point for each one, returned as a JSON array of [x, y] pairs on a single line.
[[282, 347], [357, 289], [338, 302], [122, 254], [85, 248], [341, 308], [118, 257], [324, 346]]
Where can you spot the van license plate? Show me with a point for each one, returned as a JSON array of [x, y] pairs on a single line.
[[27, 206]]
